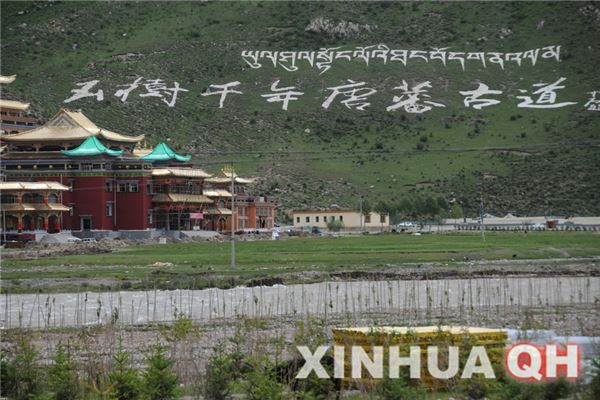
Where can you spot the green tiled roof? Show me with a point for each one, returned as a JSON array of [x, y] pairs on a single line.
[[162, 152], [92, 147]]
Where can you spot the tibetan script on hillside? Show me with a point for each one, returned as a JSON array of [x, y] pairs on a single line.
[[324, 58]]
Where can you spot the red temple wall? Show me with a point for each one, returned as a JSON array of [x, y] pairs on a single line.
[[132, 208], [89, 198]]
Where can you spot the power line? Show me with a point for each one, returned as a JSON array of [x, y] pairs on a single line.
[[361, 154], [412, 150], [315, 155]]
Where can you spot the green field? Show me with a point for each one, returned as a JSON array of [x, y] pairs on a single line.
[[208, 264]]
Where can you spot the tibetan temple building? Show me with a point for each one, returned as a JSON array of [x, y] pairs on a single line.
[[70, 174]]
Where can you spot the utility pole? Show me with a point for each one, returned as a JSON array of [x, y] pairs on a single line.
[[481, 220], [360, 204], [232, 216]]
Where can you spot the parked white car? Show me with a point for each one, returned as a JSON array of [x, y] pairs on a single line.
[[405, 224]]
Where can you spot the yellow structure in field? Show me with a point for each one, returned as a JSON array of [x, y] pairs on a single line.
[[493, 340]]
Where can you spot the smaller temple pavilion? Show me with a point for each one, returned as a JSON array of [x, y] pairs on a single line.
[[30, 206], [252, 212], [91, 147], [178, 199], [162, 152]]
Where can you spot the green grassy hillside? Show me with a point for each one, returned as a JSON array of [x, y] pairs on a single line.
[[312, 156]]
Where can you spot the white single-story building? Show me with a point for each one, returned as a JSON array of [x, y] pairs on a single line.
[[350, 219]]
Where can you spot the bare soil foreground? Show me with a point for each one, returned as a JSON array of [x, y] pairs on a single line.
[[108, 300], [193, 345]]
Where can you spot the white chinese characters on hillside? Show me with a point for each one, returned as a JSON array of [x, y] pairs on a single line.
[[84, 91], [593, 103], [222, 91], [282, 95], [474, 97], [355, 95], [154, 88], [412, 98], [546, 96]]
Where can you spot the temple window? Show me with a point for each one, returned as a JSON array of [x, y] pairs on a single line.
[[127, 186], [382, 219], [109, 209], [9, 198], [25, 148], [52, 198], [307, 219], [108, 186], [33, 198], [51, 148]]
